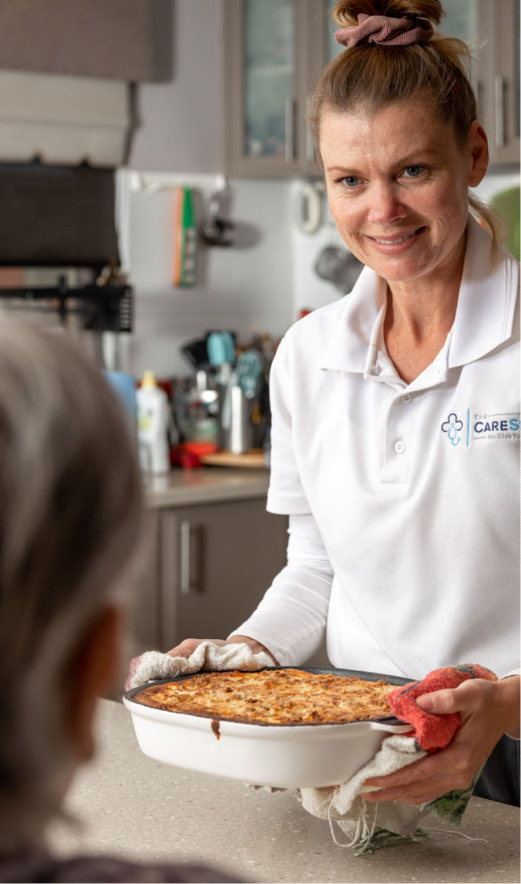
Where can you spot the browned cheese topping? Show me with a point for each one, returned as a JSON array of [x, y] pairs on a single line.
[[279, 696]]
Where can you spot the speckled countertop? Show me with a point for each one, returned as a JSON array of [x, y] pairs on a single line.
[[130, 804], [205, 485]]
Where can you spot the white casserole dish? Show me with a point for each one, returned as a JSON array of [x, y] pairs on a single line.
[[287, 757]]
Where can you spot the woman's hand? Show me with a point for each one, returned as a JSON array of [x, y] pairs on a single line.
[[487, 710], [189, 645]]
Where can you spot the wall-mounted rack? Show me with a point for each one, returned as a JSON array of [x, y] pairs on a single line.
[[99, 307]]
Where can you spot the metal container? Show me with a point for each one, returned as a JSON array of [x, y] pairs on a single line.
[[294, 756], [235, 426]]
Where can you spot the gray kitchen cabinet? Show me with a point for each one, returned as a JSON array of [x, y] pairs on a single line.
[[274, 53], [210, 564], [492, 29], [498, 74]]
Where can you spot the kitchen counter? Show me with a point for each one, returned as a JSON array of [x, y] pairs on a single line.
[[205, 485], [130, 804]]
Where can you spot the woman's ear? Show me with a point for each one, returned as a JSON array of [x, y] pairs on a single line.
[[478, 148], [91, 671]]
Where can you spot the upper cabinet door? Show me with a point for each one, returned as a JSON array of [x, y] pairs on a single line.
[[273, 55], [268, 31], [498, 71], [275, 51]]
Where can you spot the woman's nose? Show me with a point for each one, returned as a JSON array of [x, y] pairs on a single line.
[[384, 205]]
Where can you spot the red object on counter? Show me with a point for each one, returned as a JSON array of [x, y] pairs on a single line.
[[188, 454], [433, 731]]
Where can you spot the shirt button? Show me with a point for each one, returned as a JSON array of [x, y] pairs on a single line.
[[406, 398], [400, 447]]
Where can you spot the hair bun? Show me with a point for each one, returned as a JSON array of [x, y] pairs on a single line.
[[346, 12]]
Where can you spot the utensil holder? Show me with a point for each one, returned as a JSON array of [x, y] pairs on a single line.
[[235, 427]]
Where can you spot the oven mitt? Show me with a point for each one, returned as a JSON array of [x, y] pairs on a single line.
[[207, 656], [371, 826]]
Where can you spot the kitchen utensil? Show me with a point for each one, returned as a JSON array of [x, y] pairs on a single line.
[[185, 239], [287, 757], [218, 230], [249, 370], [197, 409], [196, 353], [338, 266], [236, 430], [221, 348]]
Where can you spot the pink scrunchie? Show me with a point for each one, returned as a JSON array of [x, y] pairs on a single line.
[[386, 31]]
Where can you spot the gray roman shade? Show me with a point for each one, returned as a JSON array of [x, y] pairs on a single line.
[[63, 120], [66, 73], [114, 39]]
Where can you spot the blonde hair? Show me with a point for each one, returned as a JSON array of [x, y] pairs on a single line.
[[371, 77], [71, 514]]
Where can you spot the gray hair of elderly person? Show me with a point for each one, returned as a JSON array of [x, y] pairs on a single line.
[[70, 523]]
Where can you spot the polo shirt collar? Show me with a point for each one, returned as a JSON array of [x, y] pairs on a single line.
[[487, 299], [484, 316], [357, 325]]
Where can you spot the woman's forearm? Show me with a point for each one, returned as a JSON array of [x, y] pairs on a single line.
[[510, 691]]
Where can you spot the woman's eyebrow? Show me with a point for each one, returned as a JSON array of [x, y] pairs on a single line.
[[345, 170], [414, 157]]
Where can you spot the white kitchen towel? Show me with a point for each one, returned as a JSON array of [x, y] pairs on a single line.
[[207, 655], [362, 820]]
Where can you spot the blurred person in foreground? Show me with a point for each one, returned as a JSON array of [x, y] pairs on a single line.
[[71, 518]]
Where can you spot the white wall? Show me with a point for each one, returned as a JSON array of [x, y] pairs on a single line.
[[180, 122], [242, 288]]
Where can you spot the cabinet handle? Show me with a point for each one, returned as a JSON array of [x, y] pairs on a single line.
[[184, 555], [499, 110], [289, 130], [310, 141]]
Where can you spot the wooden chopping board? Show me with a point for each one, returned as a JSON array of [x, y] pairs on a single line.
[[252, 458]]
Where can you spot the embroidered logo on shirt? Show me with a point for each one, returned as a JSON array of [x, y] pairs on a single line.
[[478, 427], [495, 426], [452, 427]]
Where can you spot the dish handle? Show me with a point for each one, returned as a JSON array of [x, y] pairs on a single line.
[[392, 725]]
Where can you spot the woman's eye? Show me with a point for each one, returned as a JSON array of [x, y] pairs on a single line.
[[414, 171], [350, 181]]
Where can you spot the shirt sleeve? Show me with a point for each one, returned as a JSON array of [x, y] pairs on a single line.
[[286, 495], [291, 618]]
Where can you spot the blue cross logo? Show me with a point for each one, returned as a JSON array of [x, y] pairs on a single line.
[[452, 426]]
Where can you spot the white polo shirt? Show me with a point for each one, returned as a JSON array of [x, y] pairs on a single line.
[[414, 488]]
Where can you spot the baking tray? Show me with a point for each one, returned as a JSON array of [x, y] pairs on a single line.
[[281, 756]]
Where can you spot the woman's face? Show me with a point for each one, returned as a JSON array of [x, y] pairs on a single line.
[[397, 184]]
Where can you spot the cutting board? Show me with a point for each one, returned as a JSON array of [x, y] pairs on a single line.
[[252, 458]]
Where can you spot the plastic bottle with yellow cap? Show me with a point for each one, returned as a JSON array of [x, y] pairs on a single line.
[[154, 419]]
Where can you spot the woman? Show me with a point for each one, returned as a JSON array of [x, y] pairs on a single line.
[[71, 515], [395, 437]]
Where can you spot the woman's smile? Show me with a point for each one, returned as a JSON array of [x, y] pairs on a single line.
[[393, 245]]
